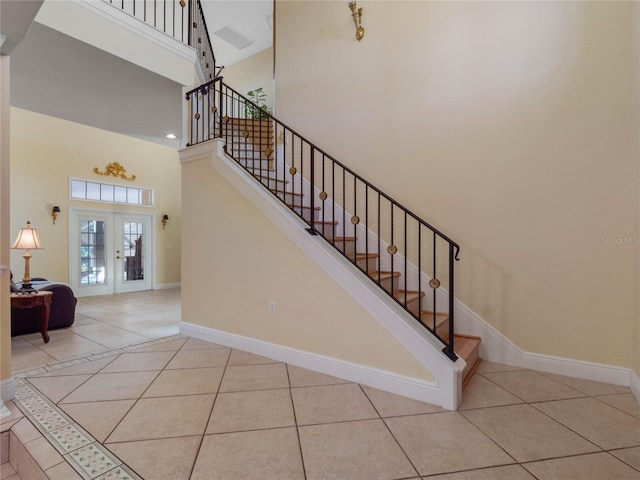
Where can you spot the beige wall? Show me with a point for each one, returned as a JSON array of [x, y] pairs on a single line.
[[46, 152], [508, 125], [251, 73], [237, 262]]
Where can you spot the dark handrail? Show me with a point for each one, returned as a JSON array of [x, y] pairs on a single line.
[[266, 147]]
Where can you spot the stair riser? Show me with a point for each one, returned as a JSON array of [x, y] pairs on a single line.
[[389, 284], [346, 246], [290, 198], [327, 231], [261, 164], [413, 305], [306, 213], [471, 361], [367, 264], [272, 183]]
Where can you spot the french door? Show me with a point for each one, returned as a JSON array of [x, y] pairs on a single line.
[[109, 252]]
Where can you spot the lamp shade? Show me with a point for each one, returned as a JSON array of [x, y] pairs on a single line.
[[27, 239]]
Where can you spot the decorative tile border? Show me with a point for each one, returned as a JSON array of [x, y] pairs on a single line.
[[88, 457]]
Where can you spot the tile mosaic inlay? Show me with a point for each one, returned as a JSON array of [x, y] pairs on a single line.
[[68, 438], [92, 461]]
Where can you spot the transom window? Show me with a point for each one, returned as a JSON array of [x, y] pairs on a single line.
[[105, 192]]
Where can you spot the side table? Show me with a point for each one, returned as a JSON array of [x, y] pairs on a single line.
[[38, 299]]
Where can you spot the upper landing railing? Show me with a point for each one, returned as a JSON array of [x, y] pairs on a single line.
[[181, 19]]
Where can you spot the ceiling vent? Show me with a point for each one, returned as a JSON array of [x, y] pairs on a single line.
[[232, 37]]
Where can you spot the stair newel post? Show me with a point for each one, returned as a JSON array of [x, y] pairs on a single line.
[[312, 188], [220, 106]]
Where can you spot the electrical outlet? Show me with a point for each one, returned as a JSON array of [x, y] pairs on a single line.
[[272, 308]]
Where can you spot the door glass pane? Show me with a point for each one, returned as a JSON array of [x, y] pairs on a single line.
[[92, 252], [133, 251]]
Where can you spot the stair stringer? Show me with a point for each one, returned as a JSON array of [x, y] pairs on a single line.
[[445, 390]]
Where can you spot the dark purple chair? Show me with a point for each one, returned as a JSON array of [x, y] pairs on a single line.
[[63, 309]]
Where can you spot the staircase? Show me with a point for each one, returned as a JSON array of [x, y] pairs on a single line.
[[253, 144]]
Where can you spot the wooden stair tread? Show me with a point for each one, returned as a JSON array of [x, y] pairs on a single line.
[[327, 222], [302, 206], [411, 294], [465, 344], [361, 256], [284, 192], [273, 179], [344, 239], [440, 317], [384, 274]]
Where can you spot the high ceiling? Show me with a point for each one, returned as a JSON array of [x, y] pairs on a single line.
[[251, 19], [56, 75]]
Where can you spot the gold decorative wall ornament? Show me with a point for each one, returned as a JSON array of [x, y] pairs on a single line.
[[356, 14], [355, 220], [323, 195], [392, 249], [293, 170], [116, 170], [434, 283]]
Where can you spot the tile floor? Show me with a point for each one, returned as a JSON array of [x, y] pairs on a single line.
[[181, 408]]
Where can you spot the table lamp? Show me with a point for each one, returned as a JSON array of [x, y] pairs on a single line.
[[27, 240]]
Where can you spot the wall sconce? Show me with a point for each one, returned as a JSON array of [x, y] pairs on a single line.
[[165, 220], [357, 19], [54, 213]]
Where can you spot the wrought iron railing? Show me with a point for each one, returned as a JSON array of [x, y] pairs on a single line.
[[181, 19], [403, 254]]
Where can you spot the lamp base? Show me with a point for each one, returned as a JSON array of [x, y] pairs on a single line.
[[26, 289]]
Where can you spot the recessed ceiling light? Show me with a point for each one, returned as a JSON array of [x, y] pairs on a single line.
[[171, 136]]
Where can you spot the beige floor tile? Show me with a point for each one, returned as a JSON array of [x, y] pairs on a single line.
[[139, 362], [239, 357], [27, 467], [63, 471], [509, 472], [65, 351], [197, 344], [492, 367], [532, 386], [255, 377], [625, 402], [255, 455], [362, 450], [601, 424], [211, 357], [56, 388], [112, 386], [163, 459], [589, 467], [482, 393], [630, 456], [262, 409], [25, 432], [89, 367], [588, 387], [390, 405], [116, 341], [98, 418], [43, 453], [28, 359], [301, 377], [164, 417], [331, 403], [7, 471], [527, 434], [172, 346], [191, 381], [445, 442]]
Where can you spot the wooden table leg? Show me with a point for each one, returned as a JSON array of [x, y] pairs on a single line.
[[44, 324]]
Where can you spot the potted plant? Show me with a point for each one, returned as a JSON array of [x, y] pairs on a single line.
[[259, 108]]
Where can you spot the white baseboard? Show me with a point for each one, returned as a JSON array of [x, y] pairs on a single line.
[[165, 286], [635, 385], [7, 390], [417, 389]]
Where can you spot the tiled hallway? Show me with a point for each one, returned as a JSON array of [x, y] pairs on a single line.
[[181, 408]]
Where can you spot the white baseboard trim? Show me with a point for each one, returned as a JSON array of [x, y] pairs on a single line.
[[417, 389], [635, 385], [165, 286], [7, 390]]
